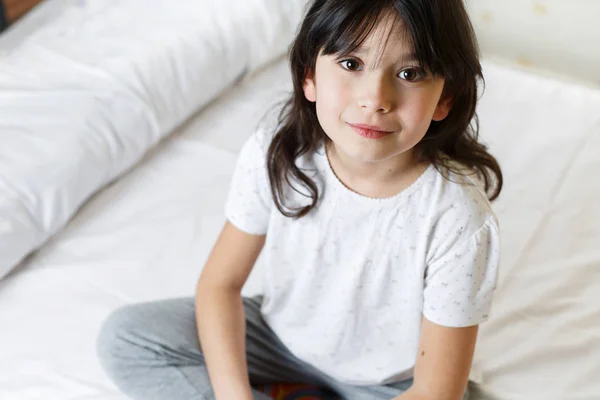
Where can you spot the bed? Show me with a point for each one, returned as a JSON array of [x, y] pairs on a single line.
[[145, 233]]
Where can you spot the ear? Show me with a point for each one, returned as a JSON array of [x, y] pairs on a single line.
[[309, 87], [442, 109]]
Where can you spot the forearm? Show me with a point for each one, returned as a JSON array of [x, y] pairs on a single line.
[[414, 394], [221, 329], [410, 394]]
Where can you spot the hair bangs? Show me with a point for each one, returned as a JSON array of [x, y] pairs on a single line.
[[350, 25]]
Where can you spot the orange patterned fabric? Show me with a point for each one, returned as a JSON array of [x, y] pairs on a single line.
[[293, 391]]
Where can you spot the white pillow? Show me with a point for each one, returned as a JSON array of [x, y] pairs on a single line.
[[85, 96]]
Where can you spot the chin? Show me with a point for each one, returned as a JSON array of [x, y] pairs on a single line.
[[366, 153]]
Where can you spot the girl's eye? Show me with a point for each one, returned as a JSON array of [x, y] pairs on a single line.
[[411, 74], [350, 65]]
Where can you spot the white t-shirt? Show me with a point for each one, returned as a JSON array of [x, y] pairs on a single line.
[[346, 286]]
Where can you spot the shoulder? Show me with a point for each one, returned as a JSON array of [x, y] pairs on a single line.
[[260, 140], [266, 130], [460, 197], [249, 202], [255, 148], [461, 212]]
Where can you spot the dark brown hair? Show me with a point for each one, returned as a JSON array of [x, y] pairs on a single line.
[[444, 44]]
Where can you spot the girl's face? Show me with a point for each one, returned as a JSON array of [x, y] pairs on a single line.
[[376, 103]]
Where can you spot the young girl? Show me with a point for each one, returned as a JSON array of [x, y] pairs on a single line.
[[369, 202]]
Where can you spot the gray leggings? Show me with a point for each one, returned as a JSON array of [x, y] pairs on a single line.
[[151, 352]]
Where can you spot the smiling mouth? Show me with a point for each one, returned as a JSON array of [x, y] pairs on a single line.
[[369, 131]]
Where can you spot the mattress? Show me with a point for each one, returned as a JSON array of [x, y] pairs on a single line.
[[144, 237], [147, 236]]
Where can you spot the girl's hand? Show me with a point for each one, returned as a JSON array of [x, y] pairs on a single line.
[[233, 393]]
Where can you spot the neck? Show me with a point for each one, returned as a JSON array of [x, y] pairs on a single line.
[[385, 171], [375, 179]]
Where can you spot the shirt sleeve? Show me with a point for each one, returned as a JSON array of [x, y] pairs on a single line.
[[459, 285], [249, 203]]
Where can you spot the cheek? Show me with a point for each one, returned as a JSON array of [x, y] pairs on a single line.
[[333, 94], [420, 109]]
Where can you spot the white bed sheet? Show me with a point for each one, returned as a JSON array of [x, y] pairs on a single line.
[[147, 236]]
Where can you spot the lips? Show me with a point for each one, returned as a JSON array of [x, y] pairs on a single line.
[[370, 131]]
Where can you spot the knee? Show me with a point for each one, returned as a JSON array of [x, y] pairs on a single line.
[[118, 337], [148, 335]]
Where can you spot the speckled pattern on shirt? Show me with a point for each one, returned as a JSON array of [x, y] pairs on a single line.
[[346, 286]]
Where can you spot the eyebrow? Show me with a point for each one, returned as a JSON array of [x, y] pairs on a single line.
[[408, 57]]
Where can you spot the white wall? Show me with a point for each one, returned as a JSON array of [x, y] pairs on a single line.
[[555, 36]]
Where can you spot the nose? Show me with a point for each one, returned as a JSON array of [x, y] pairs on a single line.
[[376, 94]]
